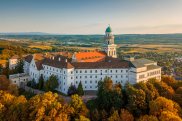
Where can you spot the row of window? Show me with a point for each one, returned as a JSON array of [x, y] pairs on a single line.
[[92, 82], [116, 76], [154, 73], [149, 74], [96, 71]]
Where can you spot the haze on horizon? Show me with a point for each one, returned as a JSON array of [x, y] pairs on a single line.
[[91, 16]]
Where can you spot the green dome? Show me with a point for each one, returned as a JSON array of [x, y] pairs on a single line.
[[108, 29]]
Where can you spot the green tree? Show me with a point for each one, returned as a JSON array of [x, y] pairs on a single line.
[[72, 90], [109, 95], [41, 82], [136, 100], [19, 66], [52, 83], [80, 89]]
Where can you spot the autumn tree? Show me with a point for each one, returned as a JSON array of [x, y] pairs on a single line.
[[148, 118], [170, 81], [47, 106], [114, 116], [162, 104], [125, 115], [6, 85], [11, 107], [79, 107], [178, 96], [164, 90], [169, 116]]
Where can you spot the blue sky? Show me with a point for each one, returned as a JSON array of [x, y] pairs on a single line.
[[91, 16]]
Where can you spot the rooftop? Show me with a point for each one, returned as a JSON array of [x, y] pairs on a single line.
[[141, 62], [90, 56]]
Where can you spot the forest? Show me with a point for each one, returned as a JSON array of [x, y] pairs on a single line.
[[145, 101]]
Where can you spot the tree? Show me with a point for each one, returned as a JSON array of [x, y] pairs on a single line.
[[52, 83], [125, 115], [114, 116], [168, 80], [11, 107], [32, 83], [79, 107], [80, 89], [169, 116], [95, 116], [72, 90], [82, 118], [178, 96], [164, 90], [19, 66], [162, 104], [41, 82], [109, 95], [149, 89], [148, 118], [136, 100], [6, 85]]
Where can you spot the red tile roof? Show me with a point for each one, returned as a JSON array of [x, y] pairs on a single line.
[[59, 61], [90, 56]]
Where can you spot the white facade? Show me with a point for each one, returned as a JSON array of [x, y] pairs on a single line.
[[19, 78], [13, 63]]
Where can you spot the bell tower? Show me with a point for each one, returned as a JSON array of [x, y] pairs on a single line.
[[109, 46]]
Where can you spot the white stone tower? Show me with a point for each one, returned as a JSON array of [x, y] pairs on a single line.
[[109, 46]]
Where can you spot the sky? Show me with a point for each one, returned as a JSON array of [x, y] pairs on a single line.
[[91, 16]]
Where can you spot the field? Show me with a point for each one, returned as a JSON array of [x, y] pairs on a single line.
[[42, 47], [141, 48]]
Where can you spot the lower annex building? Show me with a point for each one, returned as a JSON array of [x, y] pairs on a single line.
[[90, 67]]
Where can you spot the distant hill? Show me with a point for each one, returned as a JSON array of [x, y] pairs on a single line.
[[97, 39], [24, 33]]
